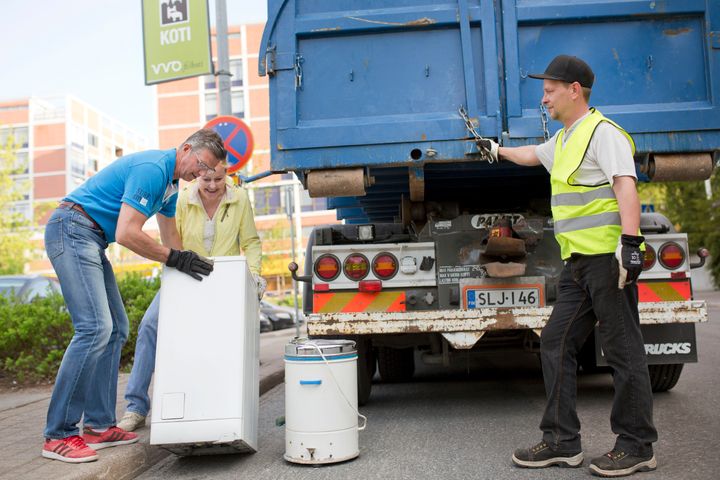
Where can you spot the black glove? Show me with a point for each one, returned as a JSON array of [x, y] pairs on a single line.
[[189, 262], [630, 258]]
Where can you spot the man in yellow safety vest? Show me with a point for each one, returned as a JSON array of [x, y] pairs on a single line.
[[596, 215]]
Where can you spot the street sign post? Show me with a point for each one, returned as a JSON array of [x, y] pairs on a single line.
[[176, 39], [237, 137]]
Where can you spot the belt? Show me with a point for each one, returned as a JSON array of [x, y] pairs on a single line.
[[78, 208]]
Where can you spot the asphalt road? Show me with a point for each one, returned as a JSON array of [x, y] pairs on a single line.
[[466, 424]]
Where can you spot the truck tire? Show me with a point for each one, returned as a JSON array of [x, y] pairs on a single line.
[[366, 369], [396, 364], [664, 377]]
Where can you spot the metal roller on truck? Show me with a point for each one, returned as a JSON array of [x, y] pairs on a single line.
[[376, 106]]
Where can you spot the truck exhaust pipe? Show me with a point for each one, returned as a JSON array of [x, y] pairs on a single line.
[[348, 182], [687, 167]]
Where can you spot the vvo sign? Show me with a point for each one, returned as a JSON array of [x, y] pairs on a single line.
[[176, 36], [167, 67]]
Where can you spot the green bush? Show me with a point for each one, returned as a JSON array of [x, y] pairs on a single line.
[[33, 336]]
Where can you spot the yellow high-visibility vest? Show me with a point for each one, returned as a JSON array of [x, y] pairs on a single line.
[[587, 217]]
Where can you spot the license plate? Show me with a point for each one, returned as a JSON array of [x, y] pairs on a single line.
[[495, 297]]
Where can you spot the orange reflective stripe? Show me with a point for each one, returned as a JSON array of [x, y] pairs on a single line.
[[398, 305], [683, 288], [359, 302], [645, 293], [320, 299], [348, 302], [664, 291]]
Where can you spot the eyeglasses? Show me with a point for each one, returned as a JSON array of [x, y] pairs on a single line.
[[204, 166]]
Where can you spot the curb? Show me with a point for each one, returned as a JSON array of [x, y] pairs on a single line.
[[131, 461]]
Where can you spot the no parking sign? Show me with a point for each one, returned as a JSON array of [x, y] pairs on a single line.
[[237, 137]]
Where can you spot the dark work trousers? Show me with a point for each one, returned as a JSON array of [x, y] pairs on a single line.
[[588, 292]]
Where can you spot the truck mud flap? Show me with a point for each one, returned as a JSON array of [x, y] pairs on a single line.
[[668, 343]]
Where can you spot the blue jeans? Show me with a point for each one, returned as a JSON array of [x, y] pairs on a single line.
[[588, 293], [86, 383], [136, 393]]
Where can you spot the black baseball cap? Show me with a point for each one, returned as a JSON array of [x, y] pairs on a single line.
[[567, 68]]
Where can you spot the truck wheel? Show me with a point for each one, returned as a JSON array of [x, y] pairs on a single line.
[[396, 364], [366, 369], [664, 377]]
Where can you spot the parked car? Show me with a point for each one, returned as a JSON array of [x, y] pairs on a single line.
[[291, 311], [278, 317], [28, 287], [265, 324]]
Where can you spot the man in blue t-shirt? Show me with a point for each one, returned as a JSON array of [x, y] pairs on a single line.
[[112, 206]]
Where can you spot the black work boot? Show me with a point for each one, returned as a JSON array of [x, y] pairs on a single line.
[[541, 456], [617, 463]]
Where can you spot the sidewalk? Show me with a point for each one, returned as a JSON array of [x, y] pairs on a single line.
[[22, 418]]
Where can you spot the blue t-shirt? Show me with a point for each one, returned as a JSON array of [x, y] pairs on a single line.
[[143, 180]]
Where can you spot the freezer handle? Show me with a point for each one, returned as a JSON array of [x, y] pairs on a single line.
[[310, 382]]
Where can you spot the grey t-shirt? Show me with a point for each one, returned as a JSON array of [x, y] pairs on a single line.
[[608, 156]]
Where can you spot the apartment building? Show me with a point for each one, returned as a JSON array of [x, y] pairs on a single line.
[[59, 142], [185, 105]]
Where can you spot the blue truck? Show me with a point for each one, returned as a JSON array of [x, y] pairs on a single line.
[[377, 105]]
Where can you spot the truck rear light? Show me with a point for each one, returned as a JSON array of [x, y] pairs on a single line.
[[385, 266], [356, 267], [321, 287], [327, 267], [671, 255], [368, 286], [678, 275], [650, 257]]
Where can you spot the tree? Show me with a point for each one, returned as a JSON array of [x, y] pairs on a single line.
[[15, 232]]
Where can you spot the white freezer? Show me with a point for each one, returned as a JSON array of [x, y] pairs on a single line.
[[205, 393]]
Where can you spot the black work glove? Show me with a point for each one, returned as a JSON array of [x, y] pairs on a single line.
[[630, 258], [190, 262]]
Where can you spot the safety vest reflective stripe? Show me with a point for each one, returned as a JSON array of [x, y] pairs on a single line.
[[577, 199], [590, 221]]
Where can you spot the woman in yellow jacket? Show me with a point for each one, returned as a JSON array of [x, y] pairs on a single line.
[[214, 218]]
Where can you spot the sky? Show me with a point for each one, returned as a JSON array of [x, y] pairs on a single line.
[[91, 49]]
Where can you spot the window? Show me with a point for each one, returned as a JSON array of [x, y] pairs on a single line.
[[238, 104], [77, 162], [77, 136], [210, 81], [18, 135], [22, 208], [92, 139], [211, 107], [237, 73], [308, 204], [21, 164], [93, 164], [268, 201], [21, 187]]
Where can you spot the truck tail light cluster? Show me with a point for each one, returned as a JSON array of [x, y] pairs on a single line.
[[327, 267], [385, 266], [671, 256], [356, 267], [650, 257]]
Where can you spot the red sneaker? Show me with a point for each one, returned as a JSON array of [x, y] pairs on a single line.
[[111, 437], [71, 449]]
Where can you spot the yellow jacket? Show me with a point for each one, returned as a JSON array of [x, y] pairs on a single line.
[[234, 224]]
